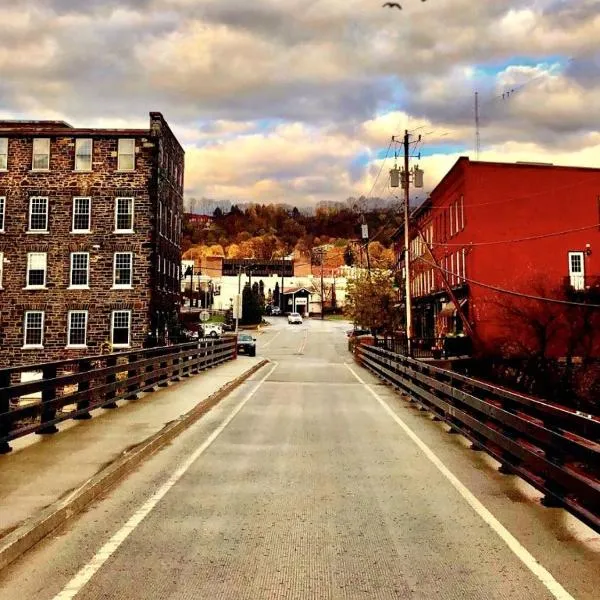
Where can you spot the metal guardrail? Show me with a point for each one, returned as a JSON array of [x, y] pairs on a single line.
[[441, 347], [552, 447], [69, 389]]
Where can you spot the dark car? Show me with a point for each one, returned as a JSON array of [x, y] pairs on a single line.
[[246, 344]]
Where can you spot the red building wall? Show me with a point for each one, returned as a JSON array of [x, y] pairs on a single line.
[[504, 203]]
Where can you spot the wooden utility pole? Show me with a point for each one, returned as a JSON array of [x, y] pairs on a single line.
[[407, 301]]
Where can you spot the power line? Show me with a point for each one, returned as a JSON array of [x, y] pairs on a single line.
[[381, 168], [524, 239], [505, 291]]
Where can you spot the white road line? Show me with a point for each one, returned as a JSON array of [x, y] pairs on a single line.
[[522, 553], [271, 340], [88, 571], [303, 344]]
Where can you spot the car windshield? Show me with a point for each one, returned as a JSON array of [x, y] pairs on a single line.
[[245, 338]]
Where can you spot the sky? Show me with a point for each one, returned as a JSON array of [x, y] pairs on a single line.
[[296, 101]]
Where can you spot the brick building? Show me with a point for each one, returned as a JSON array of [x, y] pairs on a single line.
[[90, 230], [498, 230]]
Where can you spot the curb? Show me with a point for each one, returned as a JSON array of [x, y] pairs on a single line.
[[31, 531]]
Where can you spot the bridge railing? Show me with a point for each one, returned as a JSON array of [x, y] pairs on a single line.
[[70, 389], [552, 447]]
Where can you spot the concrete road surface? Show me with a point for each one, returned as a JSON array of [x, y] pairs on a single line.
[[314, 481]]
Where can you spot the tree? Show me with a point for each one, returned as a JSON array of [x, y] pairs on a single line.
[[251, 307], [348, 256], [370, 302], [276, 301], [218, 213]]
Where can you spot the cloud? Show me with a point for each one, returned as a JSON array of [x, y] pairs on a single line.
[[297, 100]]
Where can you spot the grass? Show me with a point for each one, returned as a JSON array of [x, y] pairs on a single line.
[[336, 318], [217, 319]]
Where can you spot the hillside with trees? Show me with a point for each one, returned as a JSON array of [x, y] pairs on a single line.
[[272, 231]]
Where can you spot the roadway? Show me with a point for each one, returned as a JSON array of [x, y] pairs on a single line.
[[314, 481]]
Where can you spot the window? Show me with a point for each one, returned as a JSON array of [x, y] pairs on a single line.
[[1, 267], [120, 328], [2, 212], [123, 276], [83, 154], [36, 269], [38, 214], [456, 217], [462, 213], [452, 231], [3, 154], [81, 215], [77, 334], [41, 154], [124, 215], [464, 263], [160, 218], [34, 329], [126, 154], [577, 270], [80, 269]]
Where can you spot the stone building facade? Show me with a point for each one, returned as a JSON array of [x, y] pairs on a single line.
[[90, 232]]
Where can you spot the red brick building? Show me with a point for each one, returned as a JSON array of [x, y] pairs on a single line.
[[521, 228], [90, 229], [204, 221]]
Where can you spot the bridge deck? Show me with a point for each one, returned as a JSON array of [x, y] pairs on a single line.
[[314, 481]]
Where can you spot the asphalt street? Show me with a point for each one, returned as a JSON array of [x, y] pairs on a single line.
[[314, 481]]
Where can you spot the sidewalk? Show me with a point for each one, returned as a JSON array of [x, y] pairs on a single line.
[[43, 469]]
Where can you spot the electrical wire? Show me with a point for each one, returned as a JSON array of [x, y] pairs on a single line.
[[505, 291], [387, 152], [524, 239]]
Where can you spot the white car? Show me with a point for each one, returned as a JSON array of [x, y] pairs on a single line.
[[295, 318], [213, 330]]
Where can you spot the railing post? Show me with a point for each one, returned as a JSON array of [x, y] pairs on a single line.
[[132, 372], [176, 373], [5, 425], [84, 367], [48, 394], [164, 364], [112, 378]]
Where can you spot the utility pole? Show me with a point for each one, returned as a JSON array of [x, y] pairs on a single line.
[[322, 288], [477, 138], [406, 242], [239, 299], [281, 290]]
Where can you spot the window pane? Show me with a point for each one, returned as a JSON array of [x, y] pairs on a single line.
[[2, 211], [83, 154], [33, 328], [41, 153], [77, 328], [3, 153], [124, 214], [79, 268], [120, 333], [126, 161], [38, 217], [81, 214], [36, 269], [123, 268]]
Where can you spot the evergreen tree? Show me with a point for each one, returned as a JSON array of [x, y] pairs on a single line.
[[251, 308], [276, 300]]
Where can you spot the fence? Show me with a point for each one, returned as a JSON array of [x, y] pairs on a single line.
[[441, 347], [554, 448], [69, 389]]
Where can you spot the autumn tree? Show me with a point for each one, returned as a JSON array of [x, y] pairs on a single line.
[[370, 302]]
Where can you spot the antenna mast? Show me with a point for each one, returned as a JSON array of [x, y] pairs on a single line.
[[477, 137]]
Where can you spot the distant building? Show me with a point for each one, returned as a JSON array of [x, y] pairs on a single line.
[[204, 221], [521, 228], [90, 233]]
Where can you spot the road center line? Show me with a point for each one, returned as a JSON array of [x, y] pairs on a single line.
[[522, 553], [271, 340], [77, 583], [303, 344]]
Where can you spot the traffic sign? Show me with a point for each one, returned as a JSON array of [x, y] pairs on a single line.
[[204, 316]]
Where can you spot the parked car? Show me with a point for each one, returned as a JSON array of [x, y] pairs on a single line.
[[246, 344], [213, 330], [295, 318], [275, 311]]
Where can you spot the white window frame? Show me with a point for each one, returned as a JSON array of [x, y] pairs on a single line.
[[31, 200], [464, 263], [112, 329], [122, 153], [80, 286], [577, 278], [160, 213], [29, 260], [25, 329], [462, 213], [457, 216], [37, 142], [122, 286], [88, 167], [69, 323], [2, 213], [452, 269], [1, 269], [131, 230], [89, 202], [3, 154]]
